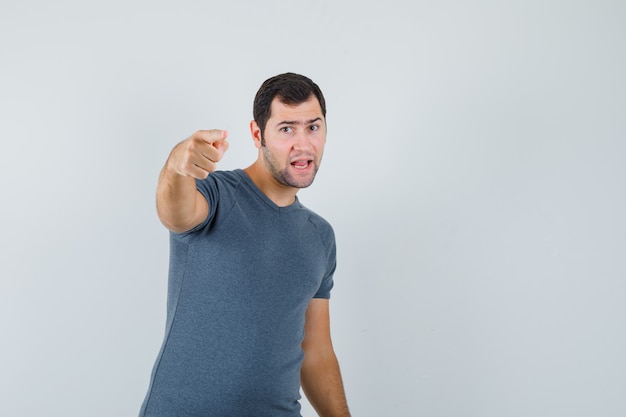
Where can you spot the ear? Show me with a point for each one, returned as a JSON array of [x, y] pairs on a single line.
[[256, 133]]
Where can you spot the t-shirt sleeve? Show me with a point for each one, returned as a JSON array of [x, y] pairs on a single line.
[[328, 281], [210, 190]]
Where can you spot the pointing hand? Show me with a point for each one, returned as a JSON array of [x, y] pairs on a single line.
[[197, 156]]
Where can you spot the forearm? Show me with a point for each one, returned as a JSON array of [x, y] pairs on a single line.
[[176, 199], [323, 386]]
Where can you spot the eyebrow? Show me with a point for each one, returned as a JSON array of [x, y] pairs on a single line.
[[294, 122]]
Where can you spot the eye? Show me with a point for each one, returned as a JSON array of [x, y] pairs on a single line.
[[285, 129], [314, 127]]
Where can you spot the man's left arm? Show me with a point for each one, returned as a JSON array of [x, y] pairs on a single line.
[[320, 375]]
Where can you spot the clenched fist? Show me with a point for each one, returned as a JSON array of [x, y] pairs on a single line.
[[198, 155]]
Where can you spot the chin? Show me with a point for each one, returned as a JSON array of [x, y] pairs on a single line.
[[300, 184], [294, 182]]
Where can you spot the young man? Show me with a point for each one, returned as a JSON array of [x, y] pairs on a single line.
[[251, 270]]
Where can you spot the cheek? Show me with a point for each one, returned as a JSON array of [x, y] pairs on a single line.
[[319, 144], [278, 152]]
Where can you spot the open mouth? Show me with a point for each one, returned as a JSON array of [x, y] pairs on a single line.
[[301, 163]]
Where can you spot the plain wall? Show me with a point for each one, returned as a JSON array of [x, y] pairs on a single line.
[[474, 174]]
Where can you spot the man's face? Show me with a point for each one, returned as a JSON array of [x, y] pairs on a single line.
[[294, 142]]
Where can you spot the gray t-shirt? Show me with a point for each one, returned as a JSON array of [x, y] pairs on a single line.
[[239, 286]]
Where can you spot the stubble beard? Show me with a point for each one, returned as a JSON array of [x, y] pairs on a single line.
[[283, 176]]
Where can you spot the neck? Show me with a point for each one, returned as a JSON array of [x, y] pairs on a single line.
[[280, 194]]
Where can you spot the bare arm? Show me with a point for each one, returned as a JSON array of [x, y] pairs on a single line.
[[320, 375], [180, 205]]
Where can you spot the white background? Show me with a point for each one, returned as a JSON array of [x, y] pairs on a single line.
[[474, 174]]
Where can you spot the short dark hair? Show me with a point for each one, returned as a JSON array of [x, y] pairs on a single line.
[[290, 89]]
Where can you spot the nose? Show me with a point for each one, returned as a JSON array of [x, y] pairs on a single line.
[[302, 142]]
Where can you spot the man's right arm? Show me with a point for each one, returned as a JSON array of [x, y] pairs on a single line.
[[180, 205]]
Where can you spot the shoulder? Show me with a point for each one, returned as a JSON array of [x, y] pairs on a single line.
[[323, 226], [220, 190], [223, 178], [319, 221], [218, 183]]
